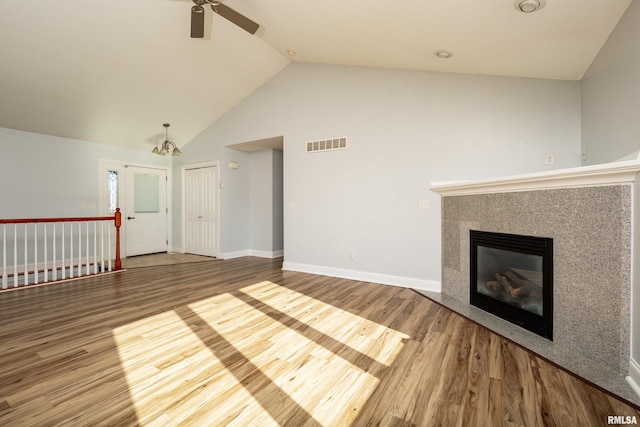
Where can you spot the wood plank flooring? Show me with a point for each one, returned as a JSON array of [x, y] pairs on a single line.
[[241, 343]]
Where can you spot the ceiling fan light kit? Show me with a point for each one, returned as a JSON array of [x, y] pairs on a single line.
[[167, 146], [197, 17]]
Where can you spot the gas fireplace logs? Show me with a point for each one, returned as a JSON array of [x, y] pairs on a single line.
[[512, 284]]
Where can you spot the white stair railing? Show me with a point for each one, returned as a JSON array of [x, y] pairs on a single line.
[[41, 250]]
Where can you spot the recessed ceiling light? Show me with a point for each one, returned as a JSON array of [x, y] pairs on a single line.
[[444, 54], [528, 6]]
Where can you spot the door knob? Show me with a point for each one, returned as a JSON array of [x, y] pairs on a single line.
[[131, 217]]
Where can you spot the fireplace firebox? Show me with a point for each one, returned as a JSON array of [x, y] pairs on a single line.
[[512, 278]]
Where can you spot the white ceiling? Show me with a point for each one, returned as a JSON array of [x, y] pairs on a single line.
[[115, 71]]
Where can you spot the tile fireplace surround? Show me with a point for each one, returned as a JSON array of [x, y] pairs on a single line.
[[592, 213]]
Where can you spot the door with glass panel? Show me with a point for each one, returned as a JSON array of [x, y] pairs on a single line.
[[146, 211]]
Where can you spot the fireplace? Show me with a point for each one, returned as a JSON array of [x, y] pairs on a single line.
[[512, 278]]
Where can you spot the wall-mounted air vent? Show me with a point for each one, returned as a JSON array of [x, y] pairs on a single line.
[[327, 144]]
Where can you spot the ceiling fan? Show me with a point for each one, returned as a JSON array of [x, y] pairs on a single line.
[[197, 17]]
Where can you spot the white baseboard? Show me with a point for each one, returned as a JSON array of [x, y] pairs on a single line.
[[634, 376], [383, 279], [252, 252], [236, 254], [266, 254]]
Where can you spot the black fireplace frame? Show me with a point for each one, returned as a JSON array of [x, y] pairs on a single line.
[[543, 246]]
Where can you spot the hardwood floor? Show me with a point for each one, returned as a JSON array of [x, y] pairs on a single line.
[[240, 342]]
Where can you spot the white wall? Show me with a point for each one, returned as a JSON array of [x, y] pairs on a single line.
[[49, 176], [278, 203], [235, 204], [611, 130], [260, 200], [265, 202], [611, 94], [405, 129]]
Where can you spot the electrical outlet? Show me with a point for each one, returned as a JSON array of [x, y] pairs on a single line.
[[548, 159], [584, 154], [423, 204], [350, 255]]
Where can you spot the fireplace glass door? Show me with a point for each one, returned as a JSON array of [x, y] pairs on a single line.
[[511, 277]]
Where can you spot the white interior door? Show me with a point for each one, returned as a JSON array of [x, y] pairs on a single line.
[[146, 211], [200, 211]]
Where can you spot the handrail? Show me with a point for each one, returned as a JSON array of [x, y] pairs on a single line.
[[41, 264], [70, 219]]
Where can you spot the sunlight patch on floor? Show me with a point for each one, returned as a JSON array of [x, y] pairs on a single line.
[[173, 377], [248, 357], [372, 339]]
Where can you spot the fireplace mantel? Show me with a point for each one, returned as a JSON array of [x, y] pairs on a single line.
[[586, 176]]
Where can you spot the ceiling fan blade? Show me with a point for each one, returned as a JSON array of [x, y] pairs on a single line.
[[197, 22], [240, 20]]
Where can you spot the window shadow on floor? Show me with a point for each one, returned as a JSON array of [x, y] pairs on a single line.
[[282, 408]]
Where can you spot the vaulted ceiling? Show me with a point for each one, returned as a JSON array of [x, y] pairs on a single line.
[[114, 71]]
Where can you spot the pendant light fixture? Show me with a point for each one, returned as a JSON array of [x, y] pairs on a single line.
[[167, 145]]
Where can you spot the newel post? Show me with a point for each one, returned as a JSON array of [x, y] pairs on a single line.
[[118, 223]]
